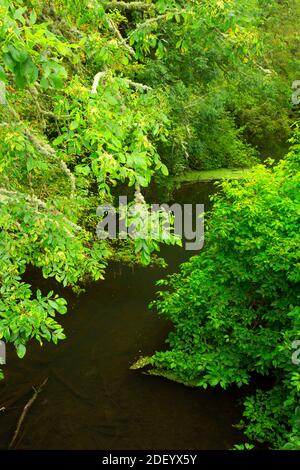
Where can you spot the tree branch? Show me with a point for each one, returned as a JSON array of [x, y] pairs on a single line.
[[100, 75], [45, 149], [151, 21], [71, 177], [27, 407], [128, 6], [138, 86], [97, 78], [38, 203], [48, 151], [119, 36]]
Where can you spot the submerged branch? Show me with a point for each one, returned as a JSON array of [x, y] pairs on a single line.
[[27, 407]]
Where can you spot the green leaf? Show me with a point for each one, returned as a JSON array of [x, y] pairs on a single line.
[[18, 55], [33, 17], [18, 14], [9, 61], [2, 74], [57, 81], [19, 78], [30, 71], [44, 83], [21, 350], [73, 125], [83, 169], [31, 164], [164, 170]]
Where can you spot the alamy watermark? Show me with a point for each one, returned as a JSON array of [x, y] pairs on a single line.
[[2, 353], [158, 222], [296, 353], [296, 94], [2, 93]]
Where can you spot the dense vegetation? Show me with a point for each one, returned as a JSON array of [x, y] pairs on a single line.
[[235, 308], [100, 94]]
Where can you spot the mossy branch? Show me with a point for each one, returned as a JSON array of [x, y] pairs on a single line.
[[45, 149], [100, 75], [113, 27], [36, 203], [131, 6]]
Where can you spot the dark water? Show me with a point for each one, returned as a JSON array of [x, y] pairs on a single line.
[[92, 400]]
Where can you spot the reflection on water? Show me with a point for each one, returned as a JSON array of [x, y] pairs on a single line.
[[92, 399]]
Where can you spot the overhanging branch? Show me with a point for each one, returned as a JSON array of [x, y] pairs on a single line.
[[100, 75], [45, 149], [152, 21], [37, 204], [119, 36], [128, 6]]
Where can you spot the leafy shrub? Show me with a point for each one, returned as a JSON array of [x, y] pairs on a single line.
[[235, 307]]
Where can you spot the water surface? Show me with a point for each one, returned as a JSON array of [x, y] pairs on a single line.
[[92, 400]]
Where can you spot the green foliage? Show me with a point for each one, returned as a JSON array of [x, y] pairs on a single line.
[[149, 228], [33, 234], [246, 446], [30, 51], [100, 94], [63, 147], [235, 307], [108, 134], [227, 79]]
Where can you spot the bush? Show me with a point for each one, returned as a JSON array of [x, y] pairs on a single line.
[[235, 307]]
